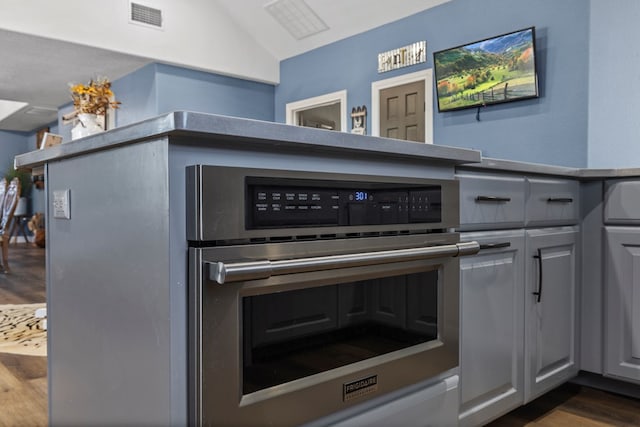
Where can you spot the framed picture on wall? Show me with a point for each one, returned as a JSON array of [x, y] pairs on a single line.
[[40, 137], [50, 140]]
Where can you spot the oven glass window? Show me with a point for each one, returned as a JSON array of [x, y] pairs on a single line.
[[294, 334]]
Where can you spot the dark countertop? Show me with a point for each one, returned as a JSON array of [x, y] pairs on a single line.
[[210, 129]]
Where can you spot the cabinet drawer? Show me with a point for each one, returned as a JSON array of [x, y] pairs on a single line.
[[622, 202], [552, 202], [435, 405], [491, 201]]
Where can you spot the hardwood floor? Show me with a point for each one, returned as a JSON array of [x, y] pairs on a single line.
[[574, 405], [25, 284], [23, 390], [23, 379]]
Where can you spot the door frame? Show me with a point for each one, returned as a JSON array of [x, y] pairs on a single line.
[[376, 87], [292, 108]]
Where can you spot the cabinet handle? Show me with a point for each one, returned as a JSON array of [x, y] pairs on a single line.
[[539, 258], [559, 200], [493, 199], [495, 245]]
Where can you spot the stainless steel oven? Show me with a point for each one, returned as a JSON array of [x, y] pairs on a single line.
[[314, 292]]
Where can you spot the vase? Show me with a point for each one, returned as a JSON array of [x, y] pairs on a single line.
[[88, 124], [21, 207]]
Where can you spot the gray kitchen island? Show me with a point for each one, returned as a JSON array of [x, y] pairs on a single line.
[[120, 326]]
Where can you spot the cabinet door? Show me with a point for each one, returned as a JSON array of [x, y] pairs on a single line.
[[622, 290], [492, 327], [550, 304]]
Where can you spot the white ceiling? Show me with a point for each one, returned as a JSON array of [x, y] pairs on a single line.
[[37, 70], [344, 18]]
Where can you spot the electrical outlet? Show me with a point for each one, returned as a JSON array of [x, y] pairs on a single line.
[[61, 207]]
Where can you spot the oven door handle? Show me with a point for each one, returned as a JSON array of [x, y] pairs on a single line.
[[222, 272]]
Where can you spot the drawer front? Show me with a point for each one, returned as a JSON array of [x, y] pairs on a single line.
[[552, 202], [622, 202], [491, 201]]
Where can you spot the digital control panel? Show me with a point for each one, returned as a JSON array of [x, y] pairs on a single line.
[[301, 204]]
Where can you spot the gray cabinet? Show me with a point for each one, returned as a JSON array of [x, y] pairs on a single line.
[[550, 308], [552, 201], [492, 327], [489, 202], [622, 202], [514, 345], [622, 280], [622, 310]]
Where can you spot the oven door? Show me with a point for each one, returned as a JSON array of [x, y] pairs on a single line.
[[284, 333]]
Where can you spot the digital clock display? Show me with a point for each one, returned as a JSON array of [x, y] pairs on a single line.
[[361, 196]]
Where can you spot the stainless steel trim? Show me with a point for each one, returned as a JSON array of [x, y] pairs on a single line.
[[217, 203], [222, 273]]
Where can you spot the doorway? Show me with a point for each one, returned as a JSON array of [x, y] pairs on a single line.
[[397, 105], [324, 112]]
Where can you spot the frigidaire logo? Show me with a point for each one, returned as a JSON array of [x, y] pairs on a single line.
[[359, 387]]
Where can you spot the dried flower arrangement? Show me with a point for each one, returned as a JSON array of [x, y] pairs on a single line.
[[93, 98]]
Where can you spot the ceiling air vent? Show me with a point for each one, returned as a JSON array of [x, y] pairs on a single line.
[[141, 14], [41, 111], [296, 17]]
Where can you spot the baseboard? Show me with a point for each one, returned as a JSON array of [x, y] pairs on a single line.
[[611, 385]]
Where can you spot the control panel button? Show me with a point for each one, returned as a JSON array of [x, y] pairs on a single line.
[[365, 204]]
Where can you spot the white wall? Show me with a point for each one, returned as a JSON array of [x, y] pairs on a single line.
[[197, 33], [614, 84]]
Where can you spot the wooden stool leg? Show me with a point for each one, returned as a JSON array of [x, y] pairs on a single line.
[[5, 253], [12, 227], [24, 232]]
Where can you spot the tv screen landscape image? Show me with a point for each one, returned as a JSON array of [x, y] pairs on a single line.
[[491, 71]]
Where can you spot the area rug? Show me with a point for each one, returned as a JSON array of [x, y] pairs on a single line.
[[20, 331]]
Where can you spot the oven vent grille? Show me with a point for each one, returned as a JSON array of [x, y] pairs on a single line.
[[141, 14]]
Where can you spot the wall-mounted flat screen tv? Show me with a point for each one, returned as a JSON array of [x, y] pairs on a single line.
[[491, 71]]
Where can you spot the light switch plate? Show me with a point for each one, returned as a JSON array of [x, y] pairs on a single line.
[[61, 207]]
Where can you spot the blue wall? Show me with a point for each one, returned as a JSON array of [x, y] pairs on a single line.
[[158, 89], [182, 89], [614, 84], [137, 93], [12, 144], [37, 196], [551, 129]]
